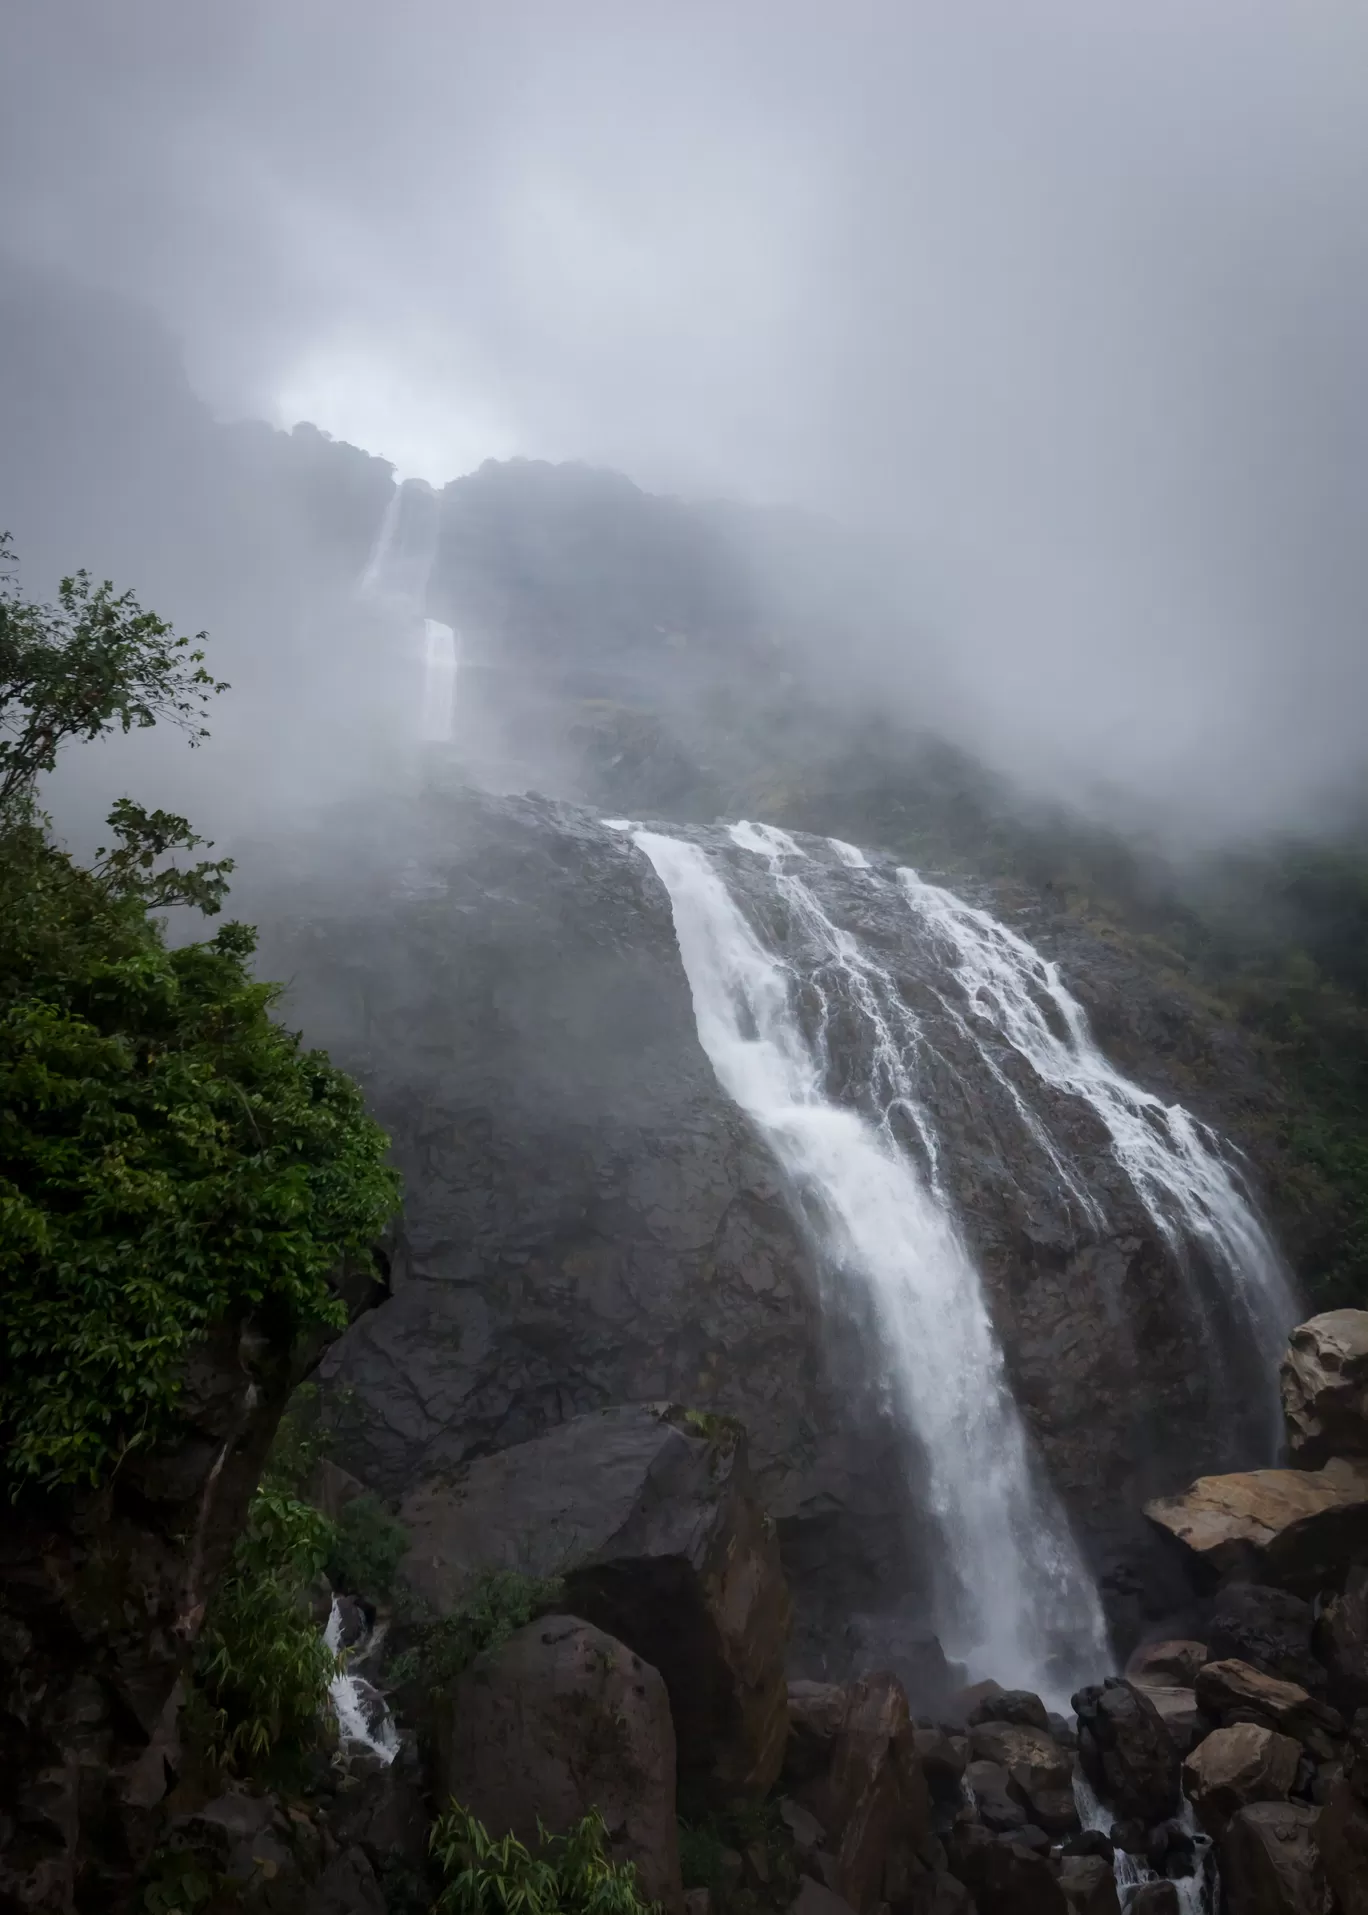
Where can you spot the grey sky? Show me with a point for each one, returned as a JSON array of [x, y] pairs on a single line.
[[1067, 302]]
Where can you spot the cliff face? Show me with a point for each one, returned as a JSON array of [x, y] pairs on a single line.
[[591, 1220]]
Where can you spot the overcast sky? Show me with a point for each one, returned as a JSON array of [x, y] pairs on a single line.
[[1068, 302]]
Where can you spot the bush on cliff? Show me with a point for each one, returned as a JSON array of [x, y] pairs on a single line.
[[567, 1875], [169, 1155]]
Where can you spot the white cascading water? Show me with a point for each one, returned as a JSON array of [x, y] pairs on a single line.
[[396, 577], [363, 1716], [1024, 1607], [1013, 995]]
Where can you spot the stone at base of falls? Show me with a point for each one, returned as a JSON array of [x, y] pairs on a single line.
[[1270, 1861], [1343, 1830], [1234, 1692], [1012, 1705], [911, 1653], [874, 1799], [1089, 1885], [1324, 1382], [1295, 1529], [1268, 1628], [559, 1720], [1126, 1752], [647, 1513], [816, 1711], [1236, 1766], [1154, 1898], [1003, 1877], [1171, 1664], [1181, 1713], [1342, 1641], [1039, 1773]]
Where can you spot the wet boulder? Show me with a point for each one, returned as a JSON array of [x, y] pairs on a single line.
[[1234, 1692], [1089, 1885], [1172, 1664], [1126, 1752], [943, 1758], [558, 1720], [1295, 1529], [874, 1800], [1342, 1832], [912, 1653], [1039, 1772], [1341, 1640], [1180, 1713], [1011, 1705], [1004, 1876], [1270, 1861], [816, 1711], [994, 1802], [648, 1515], [1267, 1628], [1236, 1766], [1324, 1382], [1154, 1898]]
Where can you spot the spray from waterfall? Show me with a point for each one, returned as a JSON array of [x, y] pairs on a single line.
[[1023, 1605], [396, 580]]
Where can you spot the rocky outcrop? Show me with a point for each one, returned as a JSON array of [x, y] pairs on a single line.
[[1268, 1628], [1270, 1863], [1039, 1772], [1295, 1529], [1236, 1766], [648, 1515], [1341, 1640], [1233, 1692], [1325, 1388], [559, 1720], [102, 1594], [1126, 1752]]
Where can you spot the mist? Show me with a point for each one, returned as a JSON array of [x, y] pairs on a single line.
[[1056, 313]]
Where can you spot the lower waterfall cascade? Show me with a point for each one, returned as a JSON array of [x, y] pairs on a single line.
[[812, 1035]]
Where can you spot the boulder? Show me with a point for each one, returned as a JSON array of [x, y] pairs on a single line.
[[936, 1891], [1089, 1885], [1040, 1773], [1154, 1898], [1179, 1712], [1342, 1837], [908, 1651], [943, 1758], [1126, 1752], [1341, 1641], [647, 1513], [994, 1802], [1293, 1528], [815, 1899], [816, 1711], [1170, 1665], [958, 1708], [1012, 1705], [1236, 1766], [558, 1720], [1270, 1863], [1267, 1628], [1004, 1877], [874, 1797], [1325, 1388], [1234, 1692]]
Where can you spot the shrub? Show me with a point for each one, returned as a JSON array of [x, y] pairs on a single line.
[[567, 1875], [367, 1547], [499, 1603]]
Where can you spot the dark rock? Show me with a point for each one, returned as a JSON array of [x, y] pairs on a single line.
[[938, 1892], [816, 1711], [347, 1886], [1129, 1837], [1235, 1766], [873, 1797], [814, 1899], [914, 1655], [1235, 1692], [1028, 1837], [558, 1720], [1089, 1842], [958, 1707], [1180, 1713], [1089, 1885], [1295, 1529], [1171, 1664], [1270, 1862], [1342, 1838], [1126, 1752], [1040, 1773], [1154, 1898], [1268, 1628], [943, 1760], [1341, 1640], [997, 1807], [1325, 1388], [648, 1514], [1003, 1877], [1063, 1731], [1011, 1705], [806, 1831]]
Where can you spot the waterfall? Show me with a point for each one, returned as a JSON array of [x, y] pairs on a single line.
[[1023, 1607], [396, 580], [1194, 1195], [363, 1717], [439, 681]]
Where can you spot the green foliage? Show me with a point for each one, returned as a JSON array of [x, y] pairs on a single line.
[[96, 662], [262, 1668], [367, 1548], [178, 1882], [746, 1828], [498, 1605], [567, 1875]]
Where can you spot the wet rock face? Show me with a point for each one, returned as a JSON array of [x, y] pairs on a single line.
[[1270, 1862], [1325, 1388], [1236, 1766], [648, 1514], [559, 1720], [1295, 1529], [1126, 1752]]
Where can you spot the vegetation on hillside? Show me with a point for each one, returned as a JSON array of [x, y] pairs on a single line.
[[565, 1874]]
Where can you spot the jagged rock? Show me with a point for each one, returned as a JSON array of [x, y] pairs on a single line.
[[807, 1832], [1062, 1729], [330, 1488], [1012, 1705], [1126, 1752], [816, 1711], [347, 1886], [1179, 1712], [1154, 1898], [648, 1514], [1267, 1628], [913, 1654], [1169, 1665], [996, 1806], [1341, 1640], [873, 1796], [1040, 1773], [1089, 1885], [1325, 1388], [943, 1760], [1235, 1766], [1234, 1692], [1089, 1842], [558, 1720], [1003, 1877], [1270, 1863], [1295, 1529]]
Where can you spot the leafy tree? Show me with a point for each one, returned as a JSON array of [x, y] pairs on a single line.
[[169, 1155]]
